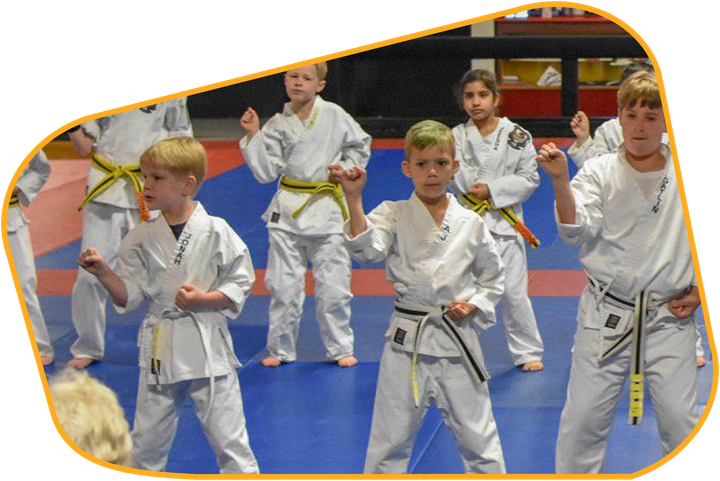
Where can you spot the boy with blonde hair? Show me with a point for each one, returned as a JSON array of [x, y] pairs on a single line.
[[310, 139], [448, 277], [196, 272], [636, 314]]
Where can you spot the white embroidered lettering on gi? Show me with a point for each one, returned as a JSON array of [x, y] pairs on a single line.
[[663, 188], [184, 242]]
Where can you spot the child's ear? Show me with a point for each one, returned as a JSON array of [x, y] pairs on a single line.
[[455, 166], [320, 87], [190, 185], [406, 168]]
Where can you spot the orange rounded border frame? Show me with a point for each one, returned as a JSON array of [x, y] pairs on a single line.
[[463, 22]]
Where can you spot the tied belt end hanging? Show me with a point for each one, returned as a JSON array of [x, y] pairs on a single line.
[[635, 335], [480, 206], [112, 174]]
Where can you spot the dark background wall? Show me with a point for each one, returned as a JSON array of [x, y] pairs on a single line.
[[369, 89]]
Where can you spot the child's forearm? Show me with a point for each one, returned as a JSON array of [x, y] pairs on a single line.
[[215, 301], [114, 286], [565, 201], [358, 224]]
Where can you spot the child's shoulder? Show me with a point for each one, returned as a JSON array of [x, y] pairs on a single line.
[[517, 136]]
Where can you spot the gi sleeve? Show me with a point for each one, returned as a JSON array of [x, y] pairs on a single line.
[[518, 186], [376, 243], [236, 275], [132, 270], [95, 128], [264, 152], [466, 175], [594, 146], [356, 142], [177, 118], [489, 272], [33, 178], [586, 188]]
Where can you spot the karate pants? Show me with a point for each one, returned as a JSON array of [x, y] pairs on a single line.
[[463, 403], [104, 227], [594, 390], [521, 329], [285, 279], [21, 250], [156, 422]]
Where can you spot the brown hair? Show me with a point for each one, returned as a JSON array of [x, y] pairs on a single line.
[[476, 75], [640, 87]]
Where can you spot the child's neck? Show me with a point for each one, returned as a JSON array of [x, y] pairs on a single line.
[[650, 163], [487, 126], [437, 207], [303, 110], [181, 213]]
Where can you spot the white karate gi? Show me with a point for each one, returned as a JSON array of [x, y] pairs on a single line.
[[634, 244], [29, 183], [302, 151], [505, 161], [432, 267], [605, 140], [608, 137], [120, 139], [194, 349]]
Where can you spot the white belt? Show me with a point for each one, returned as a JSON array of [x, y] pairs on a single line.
[[161, 312]]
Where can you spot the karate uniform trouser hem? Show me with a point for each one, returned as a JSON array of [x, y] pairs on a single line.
[[288, 257], [519, 322], [463, 403], [24, 260], [156, 422]]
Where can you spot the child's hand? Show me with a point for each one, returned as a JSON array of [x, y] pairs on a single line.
[[92, 261], [553, 161], [336, 173], [250, 122], [353, 180], [458, 310], [580, 125], [686, 305], [189, 297], [481, 191]]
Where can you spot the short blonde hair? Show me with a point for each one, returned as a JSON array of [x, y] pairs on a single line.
[[429, 133], [91, 416], [322, 70], [179, 155], [640, 87]]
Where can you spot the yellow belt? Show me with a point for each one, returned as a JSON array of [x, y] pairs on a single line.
[[315, 188], [112, 174], [480, 206], [14, 201]]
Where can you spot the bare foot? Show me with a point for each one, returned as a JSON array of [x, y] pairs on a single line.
[[347, 361], [700, 361], [271, 361], [533, 366], [47, 360], [80, 363]]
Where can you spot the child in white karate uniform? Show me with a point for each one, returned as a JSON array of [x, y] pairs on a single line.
[[448, 276], [196, 272], [606, 139], [636, 315], [111, 206], [302, 145], [497, 174], [27, 187]]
